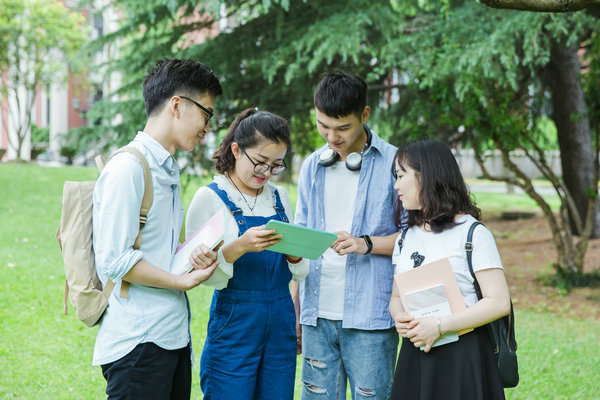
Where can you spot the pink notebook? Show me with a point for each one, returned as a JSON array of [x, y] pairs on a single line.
[[210, 234], [427, 276]]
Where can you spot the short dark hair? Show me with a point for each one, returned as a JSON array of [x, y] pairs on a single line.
[[340, 94], [169, 77], [247, 130], [442, 190]]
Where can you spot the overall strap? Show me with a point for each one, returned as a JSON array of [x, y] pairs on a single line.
[[510, 318], [279, 208], [401, 240], [237, 212], [469, 250]]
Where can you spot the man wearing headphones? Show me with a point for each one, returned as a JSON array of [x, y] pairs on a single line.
[[345, 187]]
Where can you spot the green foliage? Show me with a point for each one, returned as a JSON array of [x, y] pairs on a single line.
[[40, 42], [40, 38], [460, 63], [566, 279], [9, 13], [271, 56], [39, 135]]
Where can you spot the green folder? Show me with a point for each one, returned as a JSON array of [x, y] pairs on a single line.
[[300, 241]]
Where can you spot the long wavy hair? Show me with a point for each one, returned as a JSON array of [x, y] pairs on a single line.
[[442, 190], [247, 130]]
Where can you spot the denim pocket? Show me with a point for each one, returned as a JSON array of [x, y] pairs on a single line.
[[221, 318]]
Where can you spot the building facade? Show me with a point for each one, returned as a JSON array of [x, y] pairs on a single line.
[[61, 107]]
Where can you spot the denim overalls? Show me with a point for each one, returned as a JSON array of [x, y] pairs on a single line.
[[250, 349]]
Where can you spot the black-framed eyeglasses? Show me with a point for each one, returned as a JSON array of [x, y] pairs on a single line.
[[206, 110], [261, 167]]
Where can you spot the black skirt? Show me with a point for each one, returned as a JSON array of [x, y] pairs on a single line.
[[465, 369]]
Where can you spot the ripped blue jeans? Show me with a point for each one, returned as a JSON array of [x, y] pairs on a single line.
[[333, 355]]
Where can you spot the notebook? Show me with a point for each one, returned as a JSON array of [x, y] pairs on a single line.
[[299, 241]]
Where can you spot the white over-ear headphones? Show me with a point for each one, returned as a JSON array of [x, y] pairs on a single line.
[[353, 160]]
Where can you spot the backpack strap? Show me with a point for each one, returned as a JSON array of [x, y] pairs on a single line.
[[108, 288], [401, 240], [148, 197], [469, 250], [147, 200], [508, 329]]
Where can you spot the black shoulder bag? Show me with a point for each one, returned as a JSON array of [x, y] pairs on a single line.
[[501, 331]]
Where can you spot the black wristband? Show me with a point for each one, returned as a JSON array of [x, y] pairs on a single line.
[[368, 242]]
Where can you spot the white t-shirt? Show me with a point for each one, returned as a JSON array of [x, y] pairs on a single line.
[[422, 247], [341, 185], [206, 203]]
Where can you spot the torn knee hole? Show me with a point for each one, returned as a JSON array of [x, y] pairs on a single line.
[[365, 392], [315, 363], [314, 389]]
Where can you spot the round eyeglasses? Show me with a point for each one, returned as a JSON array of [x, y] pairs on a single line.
[[261, 167]]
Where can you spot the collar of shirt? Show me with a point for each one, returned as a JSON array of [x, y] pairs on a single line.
[[160, 154]]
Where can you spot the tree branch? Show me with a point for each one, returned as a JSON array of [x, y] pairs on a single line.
[[542, 5], [561, 189], [386, 87]]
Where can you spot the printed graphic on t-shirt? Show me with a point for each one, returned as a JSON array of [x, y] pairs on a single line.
[[417, 259]]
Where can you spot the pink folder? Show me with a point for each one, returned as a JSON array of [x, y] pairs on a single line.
[[210, 234], [435, 273]]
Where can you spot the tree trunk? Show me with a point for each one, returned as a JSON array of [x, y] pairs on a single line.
[[573, 128]]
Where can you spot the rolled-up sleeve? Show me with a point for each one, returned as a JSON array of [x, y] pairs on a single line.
[[117, 199]]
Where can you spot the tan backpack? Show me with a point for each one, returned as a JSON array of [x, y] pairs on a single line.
[[74, 236]]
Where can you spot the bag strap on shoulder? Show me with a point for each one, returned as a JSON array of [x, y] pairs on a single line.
[[469, 250], [148, 191], [401, 240], [147, 200]]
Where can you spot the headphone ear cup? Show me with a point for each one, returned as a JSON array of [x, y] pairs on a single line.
[[328, 158], [354, 161]]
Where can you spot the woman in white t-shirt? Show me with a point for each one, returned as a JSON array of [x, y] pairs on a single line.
[[439, 213]]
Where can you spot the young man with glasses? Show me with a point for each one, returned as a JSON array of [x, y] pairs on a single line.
[[250, 348], [144, 343], [344, 187]]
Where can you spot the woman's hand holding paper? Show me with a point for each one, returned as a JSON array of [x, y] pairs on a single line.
[[423, 332], [402, 321]]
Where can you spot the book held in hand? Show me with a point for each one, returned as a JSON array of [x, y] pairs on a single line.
[[300, 241], [430, 302], [210, 234], [421, 283]]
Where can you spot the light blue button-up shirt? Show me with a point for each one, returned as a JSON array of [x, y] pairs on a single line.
[[369, 278], [149, 314]]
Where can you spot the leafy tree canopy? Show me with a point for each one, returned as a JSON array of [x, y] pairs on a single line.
[[39, 45], [456, 62]]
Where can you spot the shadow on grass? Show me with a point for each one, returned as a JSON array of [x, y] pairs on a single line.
[[566, 280]]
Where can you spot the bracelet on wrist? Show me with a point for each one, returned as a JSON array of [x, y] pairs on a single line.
[[291, 261]]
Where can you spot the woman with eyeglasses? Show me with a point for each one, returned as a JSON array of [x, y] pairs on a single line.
[[250, 348]]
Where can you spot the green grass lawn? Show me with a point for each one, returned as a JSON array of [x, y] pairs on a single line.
[[46, 355]]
